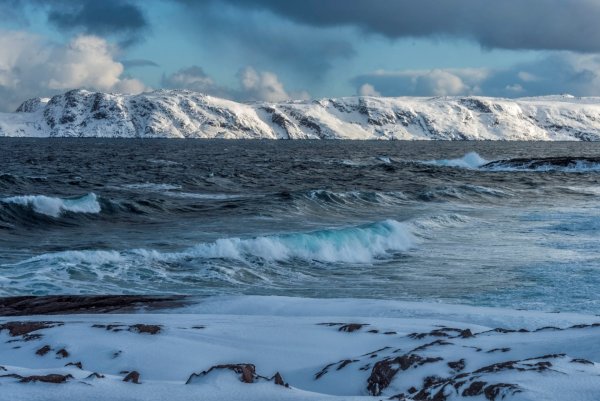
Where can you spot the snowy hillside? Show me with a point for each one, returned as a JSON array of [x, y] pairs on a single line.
[[184, 114]]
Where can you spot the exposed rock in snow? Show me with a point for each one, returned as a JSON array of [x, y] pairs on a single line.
[[373, 350], [185, 114]]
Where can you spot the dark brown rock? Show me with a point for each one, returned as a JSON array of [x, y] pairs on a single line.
[[498, 350], [443, 332], [24, 328], [492, 392], [68, 304], [384, 371], [582, 361], [78, 365], [62, 353], [345, 363], [145, 328], [51, 378], [133, 377], [466, 334], [475, 389], [457, 365], [351, 327], [43, 351], [278, 379], [247, 371]]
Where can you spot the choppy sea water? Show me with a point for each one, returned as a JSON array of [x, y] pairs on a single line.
[[396, 220]]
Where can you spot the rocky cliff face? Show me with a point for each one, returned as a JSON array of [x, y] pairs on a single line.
[[185, 114]]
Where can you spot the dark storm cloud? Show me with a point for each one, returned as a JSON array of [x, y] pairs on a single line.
[[510, 24], [121, 19], [264, 39], [98, 17]]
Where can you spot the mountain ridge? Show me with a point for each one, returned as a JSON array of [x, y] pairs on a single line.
[[186, 114]]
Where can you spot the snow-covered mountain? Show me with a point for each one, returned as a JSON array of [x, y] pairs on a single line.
[[185, 114]]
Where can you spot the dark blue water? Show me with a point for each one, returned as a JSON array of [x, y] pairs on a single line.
[[396, 220]]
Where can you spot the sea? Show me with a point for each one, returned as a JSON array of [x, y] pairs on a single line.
[[506, 224]]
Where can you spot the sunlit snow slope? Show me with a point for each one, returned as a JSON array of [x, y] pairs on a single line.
[[185, 114]]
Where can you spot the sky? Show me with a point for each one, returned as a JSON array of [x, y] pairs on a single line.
[[276, 50]]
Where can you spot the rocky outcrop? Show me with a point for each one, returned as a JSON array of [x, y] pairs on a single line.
[[67, 304], [245, 371]]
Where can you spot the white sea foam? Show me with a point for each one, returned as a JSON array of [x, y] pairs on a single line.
[[206, 196], [150, 186], [471, 160], [327, 198], [54, 207]]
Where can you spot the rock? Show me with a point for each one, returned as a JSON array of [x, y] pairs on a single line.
[[62, 353], [351, 327], [246, 372], [133, 377], [444, 332], [582, 361], [25, 328], [51, 378], [498, 350], [145, 328], [384, 371], [501, 389], [278, 379], [475, 389], [78, 365], [43, 351], [457, 365], [345, 363], [68, 304]]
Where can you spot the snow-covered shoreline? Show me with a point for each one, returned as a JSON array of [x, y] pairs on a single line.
[[323, 349], [185, 114]]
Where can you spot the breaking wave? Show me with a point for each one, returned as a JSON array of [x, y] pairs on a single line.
[[55, 207], [565, 164], [361, 244], [471, 160]]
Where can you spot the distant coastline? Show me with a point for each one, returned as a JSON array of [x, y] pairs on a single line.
[[186, 114]]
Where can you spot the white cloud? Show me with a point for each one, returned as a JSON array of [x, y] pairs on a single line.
[[262, 85], [554, 73], [527, 76], [436, 82], [30, 66], [253, 85], [368, 90]]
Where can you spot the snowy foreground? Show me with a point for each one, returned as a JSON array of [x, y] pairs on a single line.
[[273, 348], [185, 114]]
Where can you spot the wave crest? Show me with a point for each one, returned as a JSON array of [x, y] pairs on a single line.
[[54, 207], [362, 244], [471, 160]]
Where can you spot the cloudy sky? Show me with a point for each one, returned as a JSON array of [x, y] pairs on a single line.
[[286, 49]]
